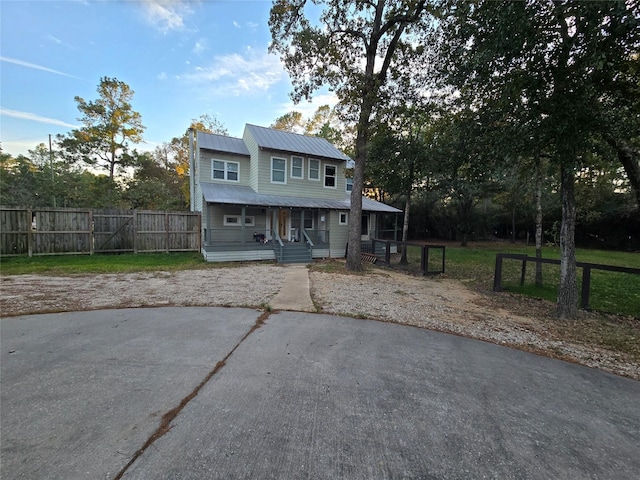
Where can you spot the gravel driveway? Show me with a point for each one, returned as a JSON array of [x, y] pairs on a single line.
[[434, 303]]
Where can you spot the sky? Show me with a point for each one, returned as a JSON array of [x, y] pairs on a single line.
[[183, 59]]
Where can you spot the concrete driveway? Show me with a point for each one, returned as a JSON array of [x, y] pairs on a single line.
[[193, 393]]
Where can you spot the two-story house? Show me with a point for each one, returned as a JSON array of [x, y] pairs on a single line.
[[274, 195]]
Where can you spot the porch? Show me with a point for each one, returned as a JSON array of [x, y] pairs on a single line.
[[260, 243]]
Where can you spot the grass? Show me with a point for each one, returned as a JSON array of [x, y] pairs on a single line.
[[611, 292], [103, 263]]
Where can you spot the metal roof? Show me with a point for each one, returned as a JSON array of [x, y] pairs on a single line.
[[222, 143], [294, 142], [243, 195]]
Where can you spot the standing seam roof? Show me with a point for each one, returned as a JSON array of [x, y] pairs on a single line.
[[222, 143], [294, 142]]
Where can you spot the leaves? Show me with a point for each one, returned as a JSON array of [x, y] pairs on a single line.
[[111, 126]]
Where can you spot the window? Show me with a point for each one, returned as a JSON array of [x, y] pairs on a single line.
[[278, 170], [223, 170], [330, 176], [236, 221], [343, 218], [308, 220], [314, 169], [296, 167], [364, 226], [349, 184]]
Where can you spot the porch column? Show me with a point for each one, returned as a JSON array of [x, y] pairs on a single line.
[[395, 228], [301, 239], [242, 226], [207, 222], [274, 224]]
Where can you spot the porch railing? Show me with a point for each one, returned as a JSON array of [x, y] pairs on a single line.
[[250, 236]]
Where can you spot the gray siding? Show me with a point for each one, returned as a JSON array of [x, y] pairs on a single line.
[[339, 235], [253, 148], [297, 187], [204, 175]]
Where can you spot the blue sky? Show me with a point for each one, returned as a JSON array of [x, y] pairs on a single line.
[[182, 58]]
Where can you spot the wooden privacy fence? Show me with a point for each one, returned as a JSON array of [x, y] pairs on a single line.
[[586, 272], [58, 231]]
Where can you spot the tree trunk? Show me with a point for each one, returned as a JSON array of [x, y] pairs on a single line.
[[630, 161], [538, 221], [567, 307], [405, 229], [354, 257], [513, 223]]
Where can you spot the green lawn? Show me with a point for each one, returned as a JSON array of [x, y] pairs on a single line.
[[101, 263], [611, 292]]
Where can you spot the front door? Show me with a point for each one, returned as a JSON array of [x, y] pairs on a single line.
[[283, 221]]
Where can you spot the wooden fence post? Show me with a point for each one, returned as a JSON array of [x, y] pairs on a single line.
[[91, 238], [523, 272], [134, 214], [29, 222], [586, 287], [166, 229], [497, 275]]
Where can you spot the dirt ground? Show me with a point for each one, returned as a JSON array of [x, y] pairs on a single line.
[[445, 305]]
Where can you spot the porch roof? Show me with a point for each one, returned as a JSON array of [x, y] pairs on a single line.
[[243, 195]]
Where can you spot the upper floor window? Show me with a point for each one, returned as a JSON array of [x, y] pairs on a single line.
[[314, 169], [330, 176], [223, 170], [296, 167], [349, 184], [278, 170]]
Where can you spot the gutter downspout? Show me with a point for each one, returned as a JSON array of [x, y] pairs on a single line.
[[192, 169]]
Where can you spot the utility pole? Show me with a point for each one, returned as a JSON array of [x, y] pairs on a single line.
[[53, 194]]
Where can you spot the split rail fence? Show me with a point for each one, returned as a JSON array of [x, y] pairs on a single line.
[[65, 231], [585, 291]]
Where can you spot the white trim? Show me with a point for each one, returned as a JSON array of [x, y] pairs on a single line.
[[346, 184], [341, 217], [296, 157], [310, 217], [284, 172], [309, 169], [249, 221], [226, 170], [335, 176]]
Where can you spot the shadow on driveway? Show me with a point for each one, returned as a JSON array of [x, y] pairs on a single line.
[[303, 396]]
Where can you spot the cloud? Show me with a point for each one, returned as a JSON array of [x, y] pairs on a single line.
[[22, 63], [34, 118], [236, 24], [309, 108], [200, 45], [166, 15], [240, 74]]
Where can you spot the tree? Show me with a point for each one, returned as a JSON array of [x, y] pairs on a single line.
[[554, 63], [323, 123], [290, 122], [176, 152], [156, 184], [398, 160], [110, 126], [354, 49]]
